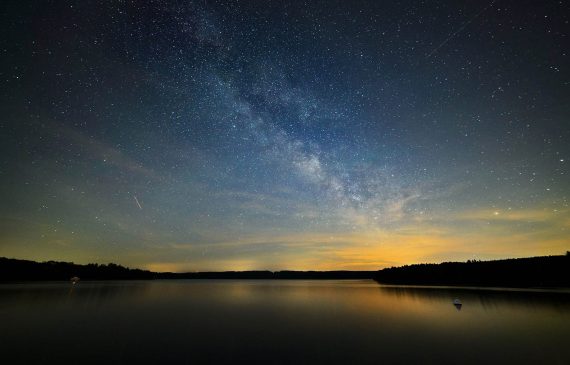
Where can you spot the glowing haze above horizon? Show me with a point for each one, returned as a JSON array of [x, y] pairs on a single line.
[[245, 135]]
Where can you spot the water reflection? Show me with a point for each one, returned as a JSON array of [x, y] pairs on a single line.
[[278, 322], [488, 299]]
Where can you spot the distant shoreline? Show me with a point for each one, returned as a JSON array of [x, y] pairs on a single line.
[[531, 272], [540, 273], [26, 270]]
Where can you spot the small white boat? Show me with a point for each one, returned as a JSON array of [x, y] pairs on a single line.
[[74, 280], [457, 302]]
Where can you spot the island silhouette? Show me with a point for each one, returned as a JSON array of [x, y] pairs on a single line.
[[541, 271]]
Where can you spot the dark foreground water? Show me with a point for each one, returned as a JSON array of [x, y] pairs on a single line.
[[189, 322]]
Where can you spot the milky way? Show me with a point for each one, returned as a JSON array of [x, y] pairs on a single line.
[[233, 135]]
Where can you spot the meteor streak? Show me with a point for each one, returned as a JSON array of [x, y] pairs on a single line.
[[137, 201], [459, 30]]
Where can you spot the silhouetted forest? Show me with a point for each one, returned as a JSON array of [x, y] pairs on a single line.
[[25, 270], [543, 271]]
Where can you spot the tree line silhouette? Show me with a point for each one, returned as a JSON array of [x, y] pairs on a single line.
[[25, 270], [543, 271]]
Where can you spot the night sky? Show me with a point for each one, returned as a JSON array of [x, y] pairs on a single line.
[[241, 135]]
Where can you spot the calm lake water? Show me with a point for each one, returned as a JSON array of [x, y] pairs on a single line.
[[231, 321]]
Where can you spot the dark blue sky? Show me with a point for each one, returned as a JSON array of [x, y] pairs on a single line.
[[218, 135]]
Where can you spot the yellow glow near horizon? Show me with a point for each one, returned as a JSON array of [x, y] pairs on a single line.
[[479, 234]]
